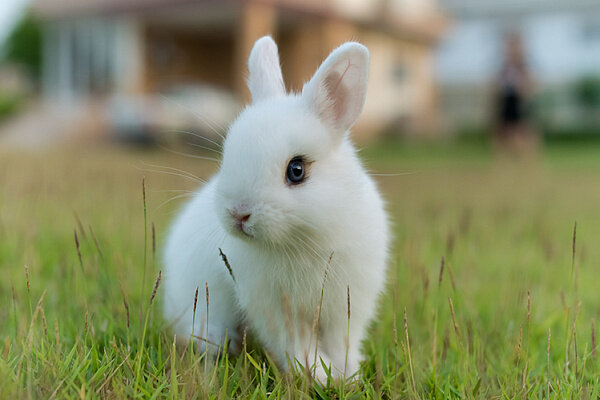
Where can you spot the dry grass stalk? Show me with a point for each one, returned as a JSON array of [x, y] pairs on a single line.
[[528, 309], [79, 225], [446, 343], [317, 317], [563, 301], [34, 317], [451, 274], [156, 284], [196, 300], [288, 313], [14, 300], [85, 325], [347, 331], [145, 244], [78, 249], [434, 344], [593, 340], [95, 240], [450, 240], [109, 378], [575, 339], [44, 323], [395, 329], [6, 347], [412, 374], [470, 339], [56, 333], [574, 248], [27, 279], [519, 344], [226, 262], [548, 362], [153, 240], [205, 340], [441, 272], [126, 305], [207, 343], [454, 317]]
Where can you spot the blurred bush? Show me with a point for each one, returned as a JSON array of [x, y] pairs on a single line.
[[23, 47], [9, 105], [587, 92]]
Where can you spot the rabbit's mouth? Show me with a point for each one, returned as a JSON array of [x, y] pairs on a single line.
[[242, 228]]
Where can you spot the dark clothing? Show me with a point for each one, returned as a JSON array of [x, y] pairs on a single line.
[[511, 97], [511, 107]]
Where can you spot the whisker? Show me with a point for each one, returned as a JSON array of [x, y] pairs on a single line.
[[189, 155], [204, 147], [173, 191], [172, 173], [164, 203], [219, 145], [397, 174], [177, 170], [201, 117]]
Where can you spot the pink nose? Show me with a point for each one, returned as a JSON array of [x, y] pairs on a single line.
[[241, 218]]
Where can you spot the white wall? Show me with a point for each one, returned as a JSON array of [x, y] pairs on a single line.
[[559, 46], [469, 53]]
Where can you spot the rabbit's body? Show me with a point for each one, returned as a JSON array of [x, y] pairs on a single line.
[[286, 241]]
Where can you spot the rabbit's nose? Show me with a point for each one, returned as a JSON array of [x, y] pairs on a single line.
[[241, 218]]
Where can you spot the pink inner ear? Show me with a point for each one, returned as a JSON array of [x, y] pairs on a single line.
[[337, 93], [339, 104]]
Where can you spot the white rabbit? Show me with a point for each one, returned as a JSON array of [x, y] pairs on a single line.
[[290, 204]]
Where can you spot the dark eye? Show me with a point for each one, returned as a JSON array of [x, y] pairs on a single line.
[[296, 171]]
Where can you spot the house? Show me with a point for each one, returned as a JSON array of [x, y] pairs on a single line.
[[561, 41], [94, 49]]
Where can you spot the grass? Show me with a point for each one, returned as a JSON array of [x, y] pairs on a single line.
[[490, 294]]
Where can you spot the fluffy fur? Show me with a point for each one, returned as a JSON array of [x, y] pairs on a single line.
[[332, 224]]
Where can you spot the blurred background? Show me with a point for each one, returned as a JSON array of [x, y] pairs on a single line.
[[133, 70], [139, 70]]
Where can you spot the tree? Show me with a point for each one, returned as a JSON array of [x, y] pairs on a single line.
[[24, 46]]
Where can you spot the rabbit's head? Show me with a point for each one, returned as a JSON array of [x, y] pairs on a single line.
[[288, 168]]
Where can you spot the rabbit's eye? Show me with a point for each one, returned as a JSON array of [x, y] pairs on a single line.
[[296, 171]]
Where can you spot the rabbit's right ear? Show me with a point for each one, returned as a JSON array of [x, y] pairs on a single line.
[[265, 80], [336, 93]]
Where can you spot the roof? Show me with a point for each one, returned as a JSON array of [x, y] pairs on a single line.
[[374, 14]]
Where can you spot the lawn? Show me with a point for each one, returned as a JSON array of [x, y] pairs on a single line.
[[490, 293]]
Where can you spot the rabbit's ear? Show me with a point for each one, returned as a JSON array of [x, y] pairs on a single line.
[[336, 93], [265, 80]]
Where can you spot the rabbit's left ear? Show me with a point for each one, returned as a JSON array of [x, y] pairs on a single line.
[[265, 80], [336, 93]]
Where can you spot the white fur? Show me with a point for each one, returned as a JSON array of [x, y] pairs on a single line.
[[279, 270]]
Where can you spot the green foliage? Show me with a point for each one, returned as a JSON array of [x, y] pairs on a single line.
[[9, 105], [510, 315], [587, 92], [24, 45]]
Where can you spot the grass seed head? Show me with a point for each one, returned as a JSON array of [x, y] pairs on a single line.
[[153, 240], [156, 284], [226, 262], [126, 305], [453, 317], [441, 272], [196, 299], [78, 248], [27, 278]]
